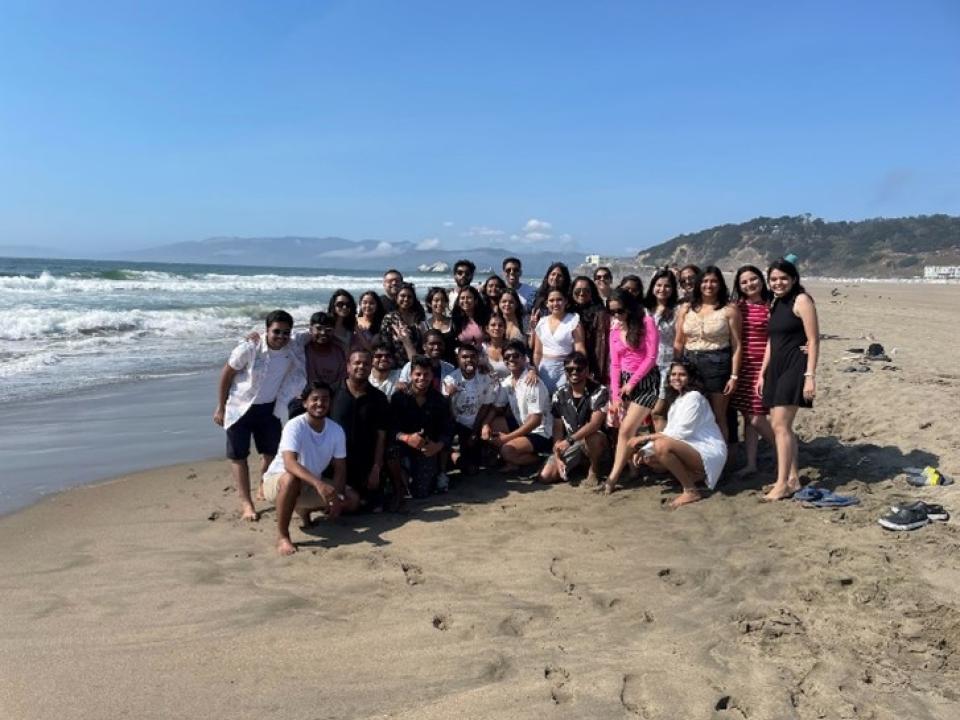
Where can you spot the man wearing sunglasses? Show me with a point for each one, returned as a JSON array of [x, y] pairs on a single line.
[[522, 433], [579, 409], [512, 272], [259, 379], [463, 271]]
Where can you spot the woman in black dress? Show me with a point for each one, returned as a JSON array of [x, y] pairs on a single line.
[[787, 379]]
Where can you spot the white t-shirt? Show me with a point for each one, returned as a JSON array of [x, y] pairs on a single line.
[[388, 384], [276, 369], [525, 400], [314, 449], [470, 396]]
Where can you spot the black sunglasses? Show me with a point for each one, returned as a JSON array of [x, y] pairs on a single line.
[[574, 369], [603, 276], [512, 356], [617, 311]]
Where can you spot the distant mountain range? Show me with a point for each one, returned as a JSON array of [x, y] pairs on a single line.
[[339, 253], [882, 247]]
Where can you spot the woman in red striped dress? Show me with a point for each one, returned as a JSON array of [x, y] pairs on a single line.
[[753, 298]]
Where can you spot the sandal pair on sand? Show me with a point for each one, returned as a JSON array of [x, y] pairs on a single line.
[[913, 515], [823, 498]]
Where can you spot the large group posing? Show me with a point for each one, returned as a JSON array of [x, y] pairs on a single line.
[[387, 394]]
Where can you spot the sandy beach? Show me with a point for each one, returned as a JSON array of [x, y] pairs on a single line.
[[146, 596]]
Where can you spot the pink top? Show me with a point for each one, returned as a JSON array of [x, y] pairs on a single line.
[[636, 360]]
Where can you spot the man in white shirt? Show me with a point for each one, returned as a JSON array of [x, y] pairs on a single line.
[[512, 272], [523, 433], [309, 445], [463, 271], [472, 397], [256, 384]]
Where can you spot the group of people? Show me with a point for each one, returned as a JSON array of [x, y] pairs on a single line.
[[386, 394]]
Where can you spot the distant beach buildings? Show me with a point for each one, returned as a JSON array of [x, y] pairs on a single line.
[[941, 272]]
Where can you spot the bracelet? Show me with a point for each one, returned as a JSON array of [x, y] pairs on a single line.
[[809, 374], [734, 377]]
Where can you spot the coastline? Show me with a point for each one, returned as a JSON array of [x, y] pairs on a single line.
[[146, 595]]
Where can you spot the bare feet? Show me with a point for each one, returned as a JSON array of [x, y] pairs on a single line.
[[609, 487], [285, 547], [249, 513], [591, 480], [782, 491], [260, 496], [685, 498]]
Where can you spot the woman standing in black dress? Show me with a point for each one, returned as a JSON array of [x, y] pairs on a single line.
[[787, 379]]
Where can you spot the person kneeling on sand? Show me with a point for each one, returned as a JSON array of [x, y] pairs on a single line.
[[522, 433], [579, 409], [691, 446], [309, 445], [422, 430], [257, 382]]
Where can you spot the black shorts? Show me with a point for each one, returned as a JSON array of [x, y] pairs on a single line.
[[260, 423], [541, 445], [715, 367]]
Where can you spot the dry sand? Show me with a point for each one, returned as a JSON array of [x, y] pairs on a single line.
[[147, 598]]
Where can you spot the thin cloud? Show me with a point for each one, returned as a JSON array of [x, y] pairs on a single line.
[[482, 231], [381, 249], [428, 244]]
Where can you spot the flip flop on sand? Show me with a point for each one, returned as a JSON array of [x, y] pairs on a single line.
[[934, 512], [832, 500], [809, 494], [904, 519]]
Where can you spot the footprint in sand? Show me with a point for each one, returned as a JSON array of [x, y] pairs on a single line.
[[558, 678], [413, 573], [441, 622], [215, 515]]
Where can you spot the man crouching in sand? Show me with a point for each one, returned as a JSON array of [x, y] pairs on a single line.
[[309, 444]]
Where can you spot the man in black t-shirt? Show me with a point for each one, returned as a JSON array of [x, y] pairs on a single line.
[[364, 414], [578, 409]]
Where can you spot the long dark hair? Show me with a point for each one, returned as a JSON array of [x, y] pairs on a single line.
[[595, 300], [503, 286], [544, 290], [765, 293], [349, 322], [377, 314], [650, 300], [694, 379], [481, 311], [634, 316], [520, 312], [419, 314], [785, 266], [723, 295]]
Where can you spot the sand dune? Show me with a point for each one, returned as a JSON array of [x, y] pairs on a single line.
[[148, 598]]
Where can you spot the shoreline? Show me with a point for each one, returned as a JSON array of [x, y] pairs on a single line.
[[146, 594]]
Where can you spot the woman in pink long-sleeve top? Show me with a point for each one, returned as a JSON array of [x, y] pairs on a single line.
[[634, 375]]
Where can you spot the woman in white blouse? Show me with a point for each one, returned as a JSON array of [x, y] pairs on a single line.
[[691, 446]]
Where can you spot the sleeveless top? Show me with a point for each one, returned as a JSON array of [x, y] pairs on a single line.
[[706, 333], [559, 343]]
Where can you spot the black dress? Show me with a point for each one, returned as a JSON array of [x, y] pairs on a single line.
[[783, 381]]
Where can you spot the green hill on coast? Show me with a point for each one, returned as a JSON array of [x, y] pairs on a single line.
[[881, 247]]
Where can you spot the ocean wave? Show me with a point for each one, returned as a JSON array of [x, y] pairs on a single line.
[[139, 281]]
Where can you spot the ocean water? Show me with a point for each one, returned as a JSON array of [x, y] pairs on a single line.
[[76, 324]]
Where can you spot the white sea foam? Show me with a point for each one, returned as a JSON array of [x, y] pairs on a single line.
[[138, 281]]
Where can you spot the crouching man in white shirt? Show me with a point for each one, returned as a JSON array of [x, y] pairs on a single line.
[[309, 445]]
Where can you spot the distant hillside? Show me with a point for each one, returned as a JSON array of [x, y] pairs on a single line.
[[882, 247], [338, 253]]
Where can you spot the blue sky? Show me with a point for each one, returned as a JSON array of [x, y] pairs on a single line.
[[605, 126]]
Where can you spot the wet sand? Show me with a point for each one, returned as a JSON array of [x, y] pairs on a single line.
[[147, 597]]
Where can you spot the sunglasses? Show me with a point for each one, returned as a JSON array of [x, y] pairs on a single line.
[[512, 356], [574, 369], [581, 291], [381, 356], [341, 304], [462, 272], [617, 311], [511, 270], [602, 276], [279, 333]]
